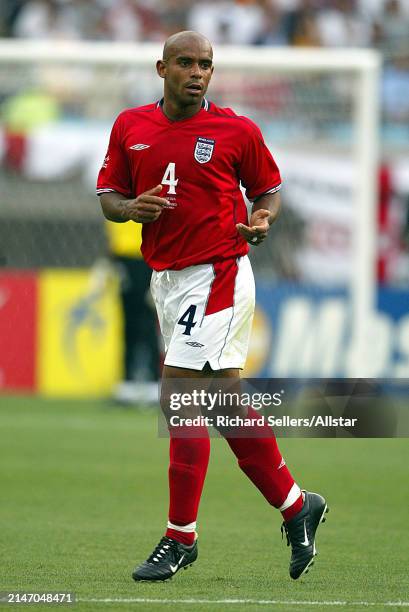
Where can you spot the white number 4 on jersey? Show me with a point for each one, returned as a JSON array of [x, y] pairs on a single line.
[[169, 178]]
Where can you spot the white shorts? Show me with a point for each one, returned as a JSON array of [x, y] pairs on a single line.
[[205, 313]]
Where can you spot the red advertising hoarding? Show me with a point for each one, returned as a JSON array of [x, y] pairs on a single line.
[[18, 330]]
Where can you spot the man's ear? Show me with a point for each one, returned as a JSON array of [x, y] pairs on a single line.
[[161, 68]]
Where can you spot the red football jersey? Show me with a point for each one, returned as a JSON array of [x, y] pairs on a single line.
[[200, 161]]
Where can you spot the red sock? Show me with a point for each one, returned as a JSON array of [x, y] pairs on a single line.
[[293, 509], [260, 459], [189, 458]]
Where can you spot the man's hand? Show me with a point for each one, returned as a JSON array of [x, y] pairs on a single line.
[[147, 207], [256, 232]]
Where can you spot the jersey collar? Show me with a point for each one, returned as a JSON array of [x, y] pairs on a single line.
[[205, 104]]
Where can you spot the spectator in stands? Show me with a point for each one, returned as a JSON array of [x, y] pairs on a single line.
[[85, 17], [333, 23], [9, 10], [272, 32], [45, 19], [377, 34], [242, 23], [301, 25], [340, 24], [123, 22], [395, 90], [237, 22], [205, 17], [173, 16], [395, 27]]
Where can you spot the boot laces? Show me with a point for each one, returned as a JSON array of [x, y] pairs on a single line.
[[161, 550], [284, 530]]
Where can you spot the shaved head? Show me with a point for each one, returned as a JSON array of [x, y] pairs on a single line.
[[182, 40], [186, 68]]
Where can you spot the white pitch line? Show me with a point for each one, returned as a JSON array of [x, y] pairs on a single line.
[[266, 602]]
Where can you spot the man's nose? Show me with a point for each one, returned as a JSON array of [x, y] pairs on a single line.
[[196, 71]]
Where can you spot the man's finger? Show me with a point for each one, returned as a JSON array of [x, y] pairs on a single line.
[[152, 196], [250, 234], [147, 207], [154, 200], [153, 191], [247, 231], [245, 228], [259, 230]]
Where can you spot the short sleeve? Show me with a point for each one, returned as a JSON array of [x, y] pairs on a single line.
[[114, 174], [258, 171]]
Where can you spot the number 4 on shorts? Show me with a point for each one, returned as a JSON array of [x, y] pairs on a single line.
[[187, 319]]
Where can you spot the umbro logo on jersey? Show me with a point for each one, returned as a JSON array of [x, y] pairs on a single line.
[[204, 150], [139, 147], [195, 344]]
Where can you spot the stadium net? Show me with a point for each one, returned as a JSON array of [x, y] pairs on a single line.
[[318, 110]]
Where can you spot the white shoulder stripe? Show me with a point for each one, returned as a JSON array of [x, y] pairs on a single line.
[[272, 190]]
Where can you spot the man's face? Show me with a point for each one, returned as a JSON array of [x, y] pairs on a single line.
[[187, 71]]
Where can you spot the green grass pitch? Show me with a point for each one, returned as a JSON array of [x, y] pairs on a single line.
[[83, 497]]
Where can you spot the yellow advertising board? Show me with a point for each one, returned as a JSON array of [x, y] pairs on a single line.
[[79, 340], [260, 343]]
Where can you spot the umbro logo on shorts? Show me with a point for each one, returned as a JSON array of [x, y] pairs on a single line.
[[195, 344], [139, 147]]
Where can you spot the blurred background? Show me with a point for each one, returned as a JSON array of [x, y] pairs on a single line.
[[63, 325]]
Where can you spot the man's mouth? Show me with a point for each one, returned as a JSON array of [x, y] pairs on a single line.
[[194, 87]]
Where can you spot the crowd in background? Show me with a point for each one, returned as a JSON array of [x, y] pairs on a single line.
[[380, 24], [383, 24]]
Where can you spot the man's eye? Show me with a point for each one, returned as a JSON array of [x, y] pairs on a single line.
[[206, 65]]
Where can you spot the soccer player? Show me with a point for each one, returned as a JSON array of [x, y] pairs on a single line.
[[176, 166]]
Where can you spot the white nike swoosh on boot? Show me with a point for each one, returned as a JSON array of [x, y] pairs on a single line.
[[306, 540], [174, 568]]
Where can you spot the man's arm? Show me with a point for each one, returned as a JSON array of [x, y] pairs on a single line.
[[265, 212], [270, 202], [147, 207]]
